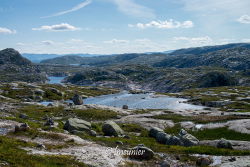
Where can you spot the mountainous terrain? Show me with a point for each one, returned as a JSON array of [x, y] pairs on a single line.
[[225, 65], [37, 58], [237, 58], [14, 67], [232, 56]]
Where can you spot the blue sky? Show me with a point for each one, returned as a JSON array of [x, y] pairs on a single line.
[[120, 26]]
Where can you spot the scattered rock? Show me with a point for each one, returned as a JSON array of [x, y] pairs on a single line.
[[119, 142], [154, 131], [165, 164], [223, 143], [125, 107], [110, 128], [232, 159], [39, 92], [162, 137], [23, 116], [142, 153], [22, 127], [126, 137], [77, 99], [50, 105], [204, 161], [49, 122], [92, 133], [74, 124], [41, 146]]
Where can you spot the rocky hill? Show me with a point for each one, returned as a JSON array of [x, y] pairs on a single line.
[[14, 67], [233, 58], [131, 77], [207, 49]]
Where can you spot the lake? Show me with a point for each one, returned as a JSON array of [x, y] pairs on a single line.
[[134, 101], [142, 101], [55, 80]]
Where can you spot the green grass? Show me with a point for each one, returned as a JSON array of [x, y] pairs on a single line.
[[239, 107], [39, 112], [134, 128], [201, 119], [212, 134], [11, 154], [95, 114]]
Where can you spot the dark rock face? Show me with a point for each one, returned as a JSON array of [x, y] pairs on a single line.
[[154, 131], [11, 56], [145, 153], [110, 128], [215, 79], [162, 137], [77, 99], [223, 143], [174, 141], [125, 107]]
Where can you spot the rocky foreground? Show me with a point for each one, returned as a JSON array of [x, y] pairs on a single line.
[[74, 134]]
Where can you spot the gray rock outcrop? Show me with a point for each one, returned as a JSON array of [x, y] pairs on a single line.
[[73, 125], [110, 128]]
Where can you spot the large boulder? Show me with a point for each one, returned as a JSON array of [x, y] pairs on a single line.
[[154, 131], [223, 143], [110, 128], [77, 125], [162, 137], [188, 139], [77, 99], [141, 152]]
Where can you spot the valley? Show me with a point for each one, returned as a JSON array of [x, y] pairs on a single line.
[[189, 108]]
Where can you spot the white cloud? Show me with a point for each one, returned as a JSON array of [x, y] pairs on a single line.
[[76, 40], [75, 8], [246, 40], [129, 7], [167, 24], [47, 42], [225, 7], [21, 44], [57, 27], [6, 31], [195, 40], [244, 19], [116, 41]]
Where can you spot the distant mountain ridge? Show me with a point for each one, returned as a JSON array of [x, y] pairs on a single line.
[[233, 56], [37, 58]]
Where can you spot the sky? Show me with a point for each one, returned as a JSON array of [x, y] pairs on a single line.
[[120, 26]]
